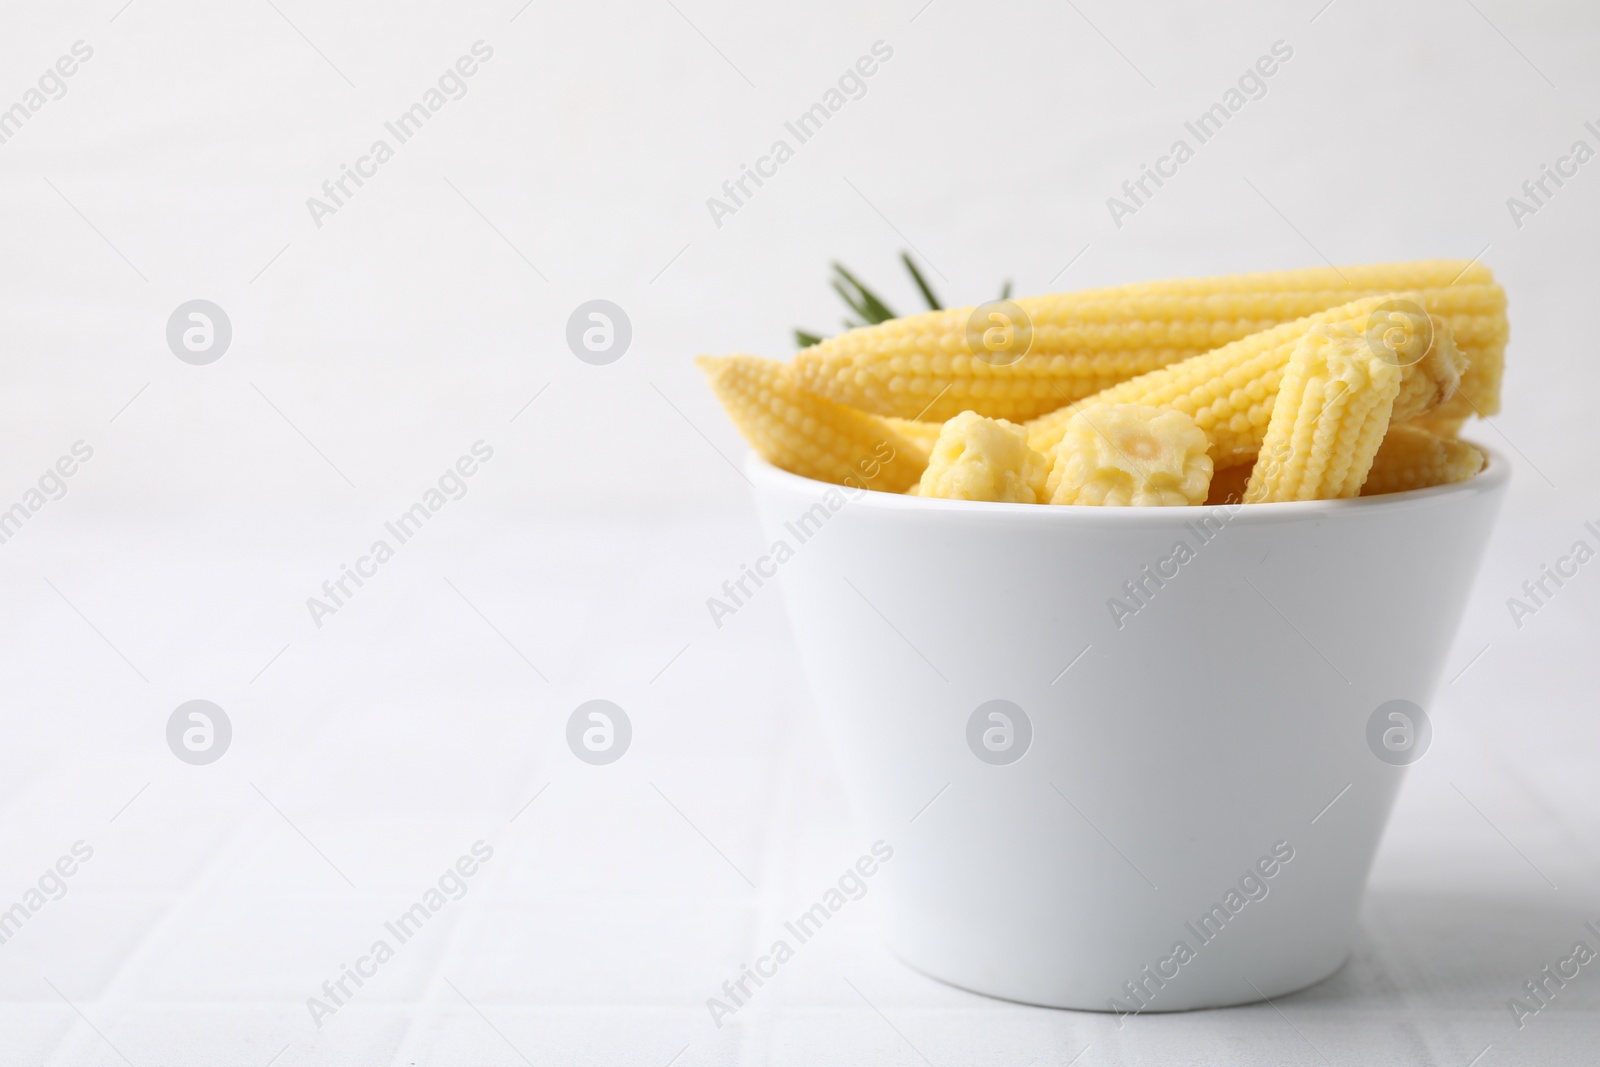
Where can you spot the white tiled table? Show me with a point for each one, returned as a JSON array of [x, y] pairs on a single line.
[[375, 751]]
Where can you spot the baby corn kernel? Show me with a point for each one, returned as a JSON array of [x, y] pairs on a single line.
[[1331, 414], [1412, 458], [809, 435], [975, 458], [1132, 455], [1082, 343]]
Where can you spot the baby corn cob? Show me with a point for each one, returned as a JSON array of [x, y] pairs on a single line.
[[1436, 376], [809, 435], [1127, 454], [1331, 414], [921, 434], [1479, 394], [1441, 422], [1228, 392], [1082, 343], [976, 458], [1413, 458]]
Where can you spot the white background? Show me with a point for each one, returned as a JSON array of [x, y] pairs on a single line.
[[371, 352]]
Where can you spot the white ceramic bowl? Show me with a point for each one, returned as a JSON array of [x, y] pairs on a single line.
[[1181, 746]]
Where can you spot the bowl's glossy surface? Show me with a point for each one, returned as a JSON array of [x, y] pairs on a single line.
[[1185, 692]]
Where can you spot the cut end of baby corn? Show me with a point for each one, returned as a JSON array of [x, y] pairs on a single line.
[[809, 435], [1331, 414], [1479, 393], [1400, 330], [1412, 458], [1228, 392], [1435, 377], [1078, 344], [1129, 454], [975, 458]]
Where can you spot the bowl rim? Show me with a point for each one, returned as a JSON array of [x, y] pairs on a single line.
[[1496, 473]]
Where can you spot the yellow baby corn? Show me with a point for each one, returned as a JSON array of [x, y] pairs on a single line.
[[1479, 394], [809, 435], [1441, 422], [976, 458], [1332, 411], [1228, 392], [1434, 379], [1413, 458], [1077, 344], [921, 434], [1128, 454]]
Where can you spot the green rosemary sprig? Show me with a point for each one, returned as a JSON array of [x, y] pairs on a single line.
[[868, 307]]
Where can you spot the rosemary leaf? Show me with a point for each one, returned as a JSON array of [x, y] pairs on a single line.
[[851, 299], [922, 283], [871, 308]]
